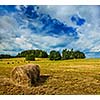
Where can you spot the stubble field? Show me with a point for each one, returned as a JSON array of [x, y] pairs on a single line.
[[81, 76]]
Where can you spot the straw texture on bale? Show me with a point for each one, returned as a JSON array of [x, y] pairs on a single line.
[[25, 75]]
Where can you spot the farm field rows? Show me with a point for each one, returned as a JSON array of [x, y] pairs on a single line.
[[81, 76]]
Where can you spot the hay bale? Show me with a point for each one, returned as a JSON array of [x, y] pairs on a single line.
[[8, 63], [26, 75], [12, 62]]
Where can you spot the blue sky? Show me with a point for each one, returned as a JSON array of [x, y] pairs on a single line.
[[50, 28]]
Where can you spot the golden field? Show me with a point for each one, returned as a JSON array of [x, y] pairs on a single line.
[[64, 77]]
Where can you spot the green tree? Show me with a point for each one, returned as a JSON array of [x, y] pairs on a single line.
[[66, 54], [79, 55], [54, 55], [43, 54], [37, 53], [30, 57], [5, 56], [71, 54]]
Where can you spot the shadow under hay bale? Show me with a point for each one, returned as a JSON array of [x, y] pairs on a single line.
[[26, 75], [42, 80]]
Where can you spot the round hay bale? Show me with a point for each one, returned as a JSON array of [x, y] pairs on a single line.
[[8, 63], [25, 75], [12, 62]]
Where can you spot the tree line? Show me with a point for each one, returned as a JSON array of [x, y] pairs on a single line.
[[54, 55], [5, 56], [66, 54], [35, 53]]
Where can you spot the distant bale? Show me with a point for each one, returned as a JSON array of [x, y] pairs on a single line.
[[12, 62], [25, 75], [28, 61], [18, 62], [8, 63]]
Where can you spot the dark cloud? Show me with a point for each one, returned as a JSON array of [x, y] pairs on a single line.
[[79, 21], [49, 25]]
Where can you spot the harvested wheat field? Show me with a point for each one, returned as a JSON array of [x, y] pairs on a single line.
[[81, 76]]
